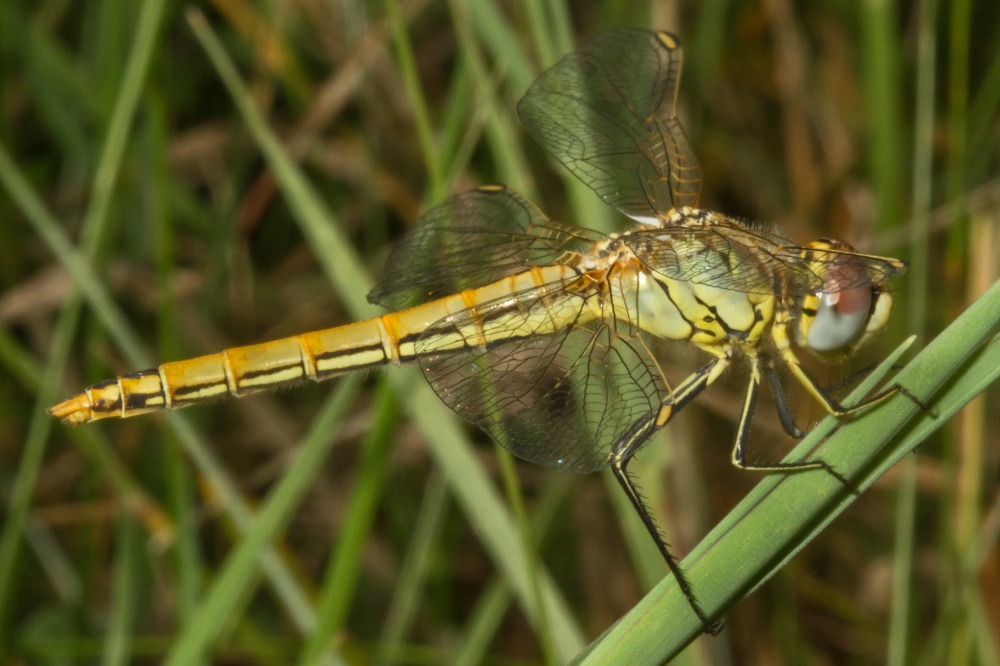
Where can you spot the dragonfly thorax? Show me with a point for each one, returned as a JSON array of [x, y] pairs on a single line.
[[702, 314]]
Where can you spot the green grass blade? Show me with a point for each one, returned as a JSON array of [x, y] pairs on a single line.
[[95, 224], [118, 328], [418, 102], [125, 590], [413, 574], [340, 583], [882, 93], [238, 575], [919, 282]]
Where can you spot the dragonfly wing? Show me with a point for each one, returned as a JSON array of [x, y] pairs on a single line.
[[730, 256], [560, 399], [720, 256], [471, 240], [831, 270], [608, 112]]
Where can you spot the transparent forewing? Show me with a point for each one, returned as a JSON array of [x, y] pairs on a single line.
[[732, 257], [607, 112], [560, 392], [471, 240], [830, 270]]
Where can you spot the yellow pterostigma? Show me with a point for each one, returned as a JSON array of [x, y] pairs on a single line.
[[538, 332]]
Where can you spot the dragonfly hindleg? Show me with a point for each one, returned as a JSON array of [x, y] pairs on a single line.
[[632, 492]]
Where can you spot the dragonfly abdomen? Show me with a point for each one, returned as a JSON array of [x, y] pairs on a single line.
[[236, 371], [323, 354]]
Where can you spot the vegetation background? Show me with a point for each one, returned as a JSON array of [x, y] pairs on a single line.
[[329, 523]]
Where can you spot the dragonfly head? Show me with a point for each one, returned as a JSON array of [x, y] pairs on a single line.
[[848, 310]]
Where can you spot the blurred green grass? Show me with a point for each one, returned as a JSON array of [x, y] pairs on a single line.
[[142, 539]]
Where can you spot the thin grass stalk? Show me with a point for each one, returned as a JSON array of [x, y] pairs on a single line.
[[982, 128], [560, 22], [340, 582], [972, 423], [508, 472], [492, 604], [229, 589], [511, 167], [538, 24], [418, 102], [117, 327], [958, 453], [95, 223], [124, 593], [484, 620], [185, 556], [880, 75], [413, 574], [133, 498], [905, 517]]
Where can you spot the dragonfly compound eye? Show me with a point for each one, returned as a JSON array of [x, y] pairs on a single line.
[[848, 309], [840, 318]]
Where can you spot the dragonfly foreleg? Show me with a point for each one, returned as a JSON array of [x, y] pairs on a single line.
[[630, 489], [830, 404]]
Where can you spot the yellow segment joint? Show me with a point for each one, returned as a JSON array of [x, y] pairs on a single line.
[[227, 368], [167, 402], [390, 341]]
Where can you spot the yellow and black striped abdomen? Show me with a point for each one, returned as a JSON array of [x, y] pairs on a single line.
[[237, 371], [317, 355]]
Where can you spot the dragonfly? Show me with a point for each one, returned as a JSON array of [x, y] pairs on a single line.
[[539, 332]]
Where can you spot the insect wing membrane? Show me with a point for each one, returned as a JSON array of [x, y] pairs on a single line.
[[830, 271], [730, 256], [562, 393], [470, 240], [607, 112], [723, 256]]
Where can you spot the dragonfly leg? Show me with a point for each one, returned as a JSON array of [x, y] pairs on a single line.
[[691, 387], [743, 434], [779, 333], [878, 397], [831, 405], [685, 392], [630, 489], [854, 377], [781, 403]]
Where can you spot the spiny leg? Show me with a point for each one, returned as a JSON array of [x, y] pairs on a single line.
[[632, 492], [878, 397], [852, 378], [681, 396], [743, 434], [686, 391]]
